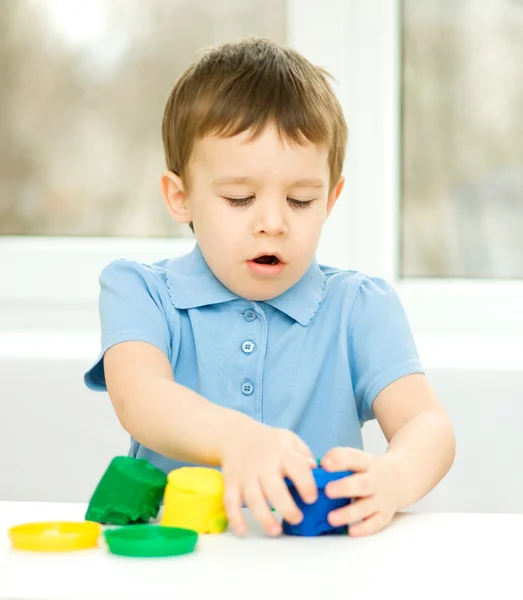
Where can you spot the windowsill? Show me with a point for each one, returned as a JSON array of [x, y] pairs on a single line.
[[437, 351], [81, 345], [486, 351]]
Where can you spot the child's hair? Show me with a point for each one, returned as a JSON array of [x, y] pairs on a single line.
[[247, 84]]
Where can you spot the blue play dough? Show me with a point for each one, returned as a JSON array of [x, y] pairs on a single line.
[[315, 515]]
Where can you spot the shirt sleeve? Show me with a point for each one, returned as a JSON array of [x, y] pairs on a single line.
[[131, 307], [381, 344]]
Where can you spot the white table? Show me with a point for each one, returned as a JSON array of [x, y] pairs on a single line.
[[419, 556]]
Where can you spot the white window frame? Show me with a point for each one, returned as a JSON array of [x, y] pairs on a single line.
[[358, 41]]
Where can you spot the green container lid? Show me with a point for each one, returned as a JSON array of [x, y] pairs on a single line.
[[130, 491], [150, 540]]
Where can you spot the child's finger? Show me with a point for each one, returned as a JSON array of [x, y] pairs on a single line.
[[279, 496], [301, 476], [256, 501], [232, 501], [350, 459], [353, 513], [368, 526], [358, 485], [305, 451]]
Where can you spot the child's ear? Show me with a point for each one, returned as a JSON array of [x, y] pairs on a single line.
[[334, 195], [173, 192]]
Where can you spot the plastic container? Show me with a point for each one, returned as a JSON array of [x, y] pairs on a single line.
[[150, 541], [315, 515], [55, 536], [194, 500], [130, 491]]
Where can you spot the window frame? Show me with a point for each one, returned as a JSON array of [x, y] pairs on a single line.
[[359, 43]]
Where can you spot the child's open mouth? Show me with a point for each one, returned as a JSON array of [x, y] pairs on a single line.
[[266, 264], [267, 259]]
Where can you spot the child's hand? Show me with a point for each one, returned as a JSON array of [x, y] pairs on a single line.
[[372, 486], [255, 460]]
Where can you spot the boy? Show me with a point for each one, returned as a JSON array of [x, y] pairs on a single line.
[[246, 354]]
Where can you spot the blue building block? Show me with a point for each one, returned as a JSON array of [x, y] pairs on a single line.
[[315, 515]]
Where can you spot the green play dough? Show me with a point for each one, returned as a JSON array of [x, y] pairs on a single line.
[[130, 491]]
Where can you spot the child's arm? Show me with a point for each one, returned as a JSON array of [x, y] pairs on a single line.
[[421, 451], [181, 424]]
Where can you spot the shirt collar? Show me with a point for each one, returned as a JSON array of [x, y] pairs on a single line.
[[192, 284]]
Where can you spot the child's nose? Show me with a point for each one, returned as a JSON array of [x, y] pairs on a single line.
[[272, 219]]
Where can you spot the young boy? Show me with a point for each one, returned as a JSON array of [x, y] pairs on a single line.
[[246, 354]]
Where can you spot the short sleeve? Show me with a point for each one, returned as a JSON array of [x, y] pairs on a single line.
[[381, 344], [131, 308]]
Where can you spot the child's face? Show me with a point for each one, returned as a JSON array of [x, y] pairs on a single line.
[[250, 199]]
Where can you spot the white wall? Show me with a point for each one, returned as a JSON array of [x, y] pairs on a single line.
[[57, 437]]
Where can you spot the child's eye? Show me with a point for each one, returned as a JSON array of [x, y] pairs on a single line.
[[239, 201], [248, 199], [299, 203]]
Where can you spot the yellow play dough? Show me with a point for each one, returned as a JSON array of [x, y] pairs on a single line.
[[193, 499]]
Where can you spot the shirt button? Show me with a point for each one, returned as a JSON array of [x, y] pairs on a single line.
[[248, 347], [247, 388], [249, 315]]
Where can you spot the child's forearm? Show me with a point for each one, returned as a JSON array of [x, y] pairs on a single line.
[[178, 422], [420, 454]]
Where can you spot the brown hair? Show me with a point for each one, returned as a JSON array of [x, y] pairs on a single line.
[[247, 84]]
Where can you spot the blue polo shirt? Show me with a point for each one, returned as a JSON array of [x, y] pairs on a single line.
[[311, 360]]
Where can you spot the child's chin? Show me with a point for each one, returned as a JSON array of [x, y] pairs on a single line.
[[265, 290]]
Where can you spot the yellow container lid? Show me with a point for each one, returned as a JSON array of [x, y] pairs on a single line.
[[55, 536]]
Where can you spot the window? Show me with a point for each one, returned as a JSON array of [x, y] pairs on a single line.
[[456, 267], [84, 84], [462, 134], [376, 227]]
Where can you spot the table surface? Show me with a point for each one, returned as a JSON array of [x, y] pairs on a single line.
[[420, 555]]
